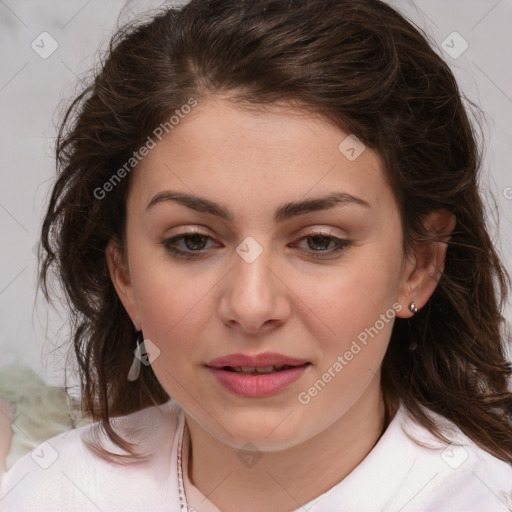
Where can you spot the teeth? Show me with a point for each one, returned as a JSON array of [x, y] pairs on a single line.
[[266, 369], [261, 369]]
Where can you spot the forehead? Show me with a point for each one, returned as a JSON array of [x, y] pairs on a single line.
[[226, 152]]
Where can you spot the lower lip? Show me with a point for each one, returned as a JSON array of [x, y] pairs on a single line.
[[258, 385]]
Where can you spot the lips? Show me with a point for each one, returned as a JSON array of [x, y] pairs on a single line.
[[259, 375], [256, 362]]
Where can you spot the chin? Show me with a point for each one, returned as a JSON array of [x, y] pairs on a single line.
[[268, 433]]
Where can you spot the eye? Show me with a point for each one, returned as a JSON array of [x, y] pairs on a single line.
[[192, 245], [318, 244]]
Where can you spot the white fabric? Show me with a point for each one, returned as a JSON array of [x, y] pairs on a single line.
[[397, 475]]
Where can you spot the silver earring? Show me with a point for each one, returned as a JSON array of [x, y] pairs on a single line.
[[413, 309], [134, 372]]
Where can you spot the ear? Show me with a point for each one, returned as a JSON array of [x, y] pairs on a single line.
[[120, 276], [424, 268]]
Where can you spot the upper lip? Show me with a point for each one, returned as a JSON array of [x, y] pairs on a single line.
[[255, 361]]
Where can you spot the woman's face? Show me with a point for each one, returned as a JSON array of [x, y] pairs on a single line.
[[266, 270]]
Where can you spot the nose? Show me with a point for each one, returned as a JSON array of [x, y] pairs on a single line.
[[254, 298]]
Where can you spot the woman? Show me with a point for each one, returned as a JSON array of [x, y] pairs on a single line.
[[268, 226]]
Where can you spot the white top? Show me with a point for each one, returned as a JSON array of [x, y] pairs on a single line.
[[62, 474]]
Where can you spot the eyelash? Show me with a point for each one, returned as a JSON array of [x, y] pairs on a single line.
[[169, 245]]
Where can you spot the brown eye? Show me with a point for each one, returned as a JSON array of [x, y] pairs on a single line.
[[187, 245], [319, 242], [323, 246]]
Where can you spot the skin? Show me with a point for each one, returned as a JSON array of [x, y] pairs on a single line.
[[286, 301]]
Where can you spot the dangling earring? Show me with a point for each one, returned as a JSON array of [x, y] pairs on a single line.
[[134, 372]]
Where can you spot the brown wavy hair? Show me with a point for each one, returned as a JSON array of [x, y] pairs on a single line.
[[358, 63]]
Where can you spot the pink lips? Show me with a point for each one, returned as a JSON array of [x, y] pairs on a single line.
[[259, 384]]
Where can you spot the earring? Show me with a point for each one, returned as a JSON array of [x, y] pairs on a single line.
[[134, 372], [412, 308]]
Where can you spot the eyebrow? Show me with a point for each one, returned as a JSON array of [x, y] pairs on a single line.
[[284, 212]]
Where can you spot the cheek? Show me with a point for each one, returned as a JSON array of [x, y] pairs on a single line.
[[352, 298], [357, 315], [173, 310], [355, 324], [173, 302], [355, 306]]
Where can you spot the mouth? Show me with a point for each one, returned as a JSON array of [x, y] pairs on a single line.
[[264, 362], [258, 370], [257, 381]]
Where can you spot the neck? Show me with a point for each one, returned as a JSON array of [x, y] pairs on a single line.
[[287, 479]]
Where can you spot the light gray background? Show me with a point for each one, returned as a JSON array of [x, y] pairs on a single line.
[[31, 88]]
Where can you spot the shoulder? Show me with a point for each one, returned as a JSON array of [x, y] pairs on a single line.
[[410, 469], [64, 473], [458, 475]]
